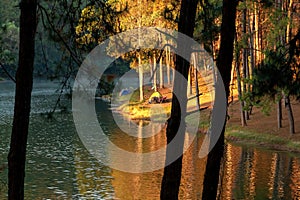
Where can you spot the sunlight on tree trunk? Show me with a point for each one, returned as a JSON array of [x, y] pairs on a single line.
[[196, 81], [161, 74], [154, 73], [256, 31], [168, 60], [189, 86], [239, 86], [141, 78], [290, 18]]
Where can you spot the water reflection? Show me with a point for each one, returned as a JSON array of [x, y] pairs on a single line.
[[59, 167], [259, 174]]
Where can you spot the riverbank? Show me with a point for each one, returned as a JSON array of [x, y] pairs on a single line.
[[261, 129], [244, 136]]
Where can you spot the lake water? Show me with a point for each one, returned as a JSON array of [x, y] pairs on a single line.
[[59, 166]]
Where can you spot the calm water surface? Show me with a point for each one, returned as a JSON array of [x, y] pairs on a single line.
[[59, 166]]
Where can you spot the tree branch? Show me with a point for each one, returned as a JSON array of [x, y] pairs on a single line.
[[78, 62], [7, 73]]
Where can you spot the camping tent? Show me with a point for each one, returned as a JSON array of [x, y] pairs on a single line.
[[155, 97], [124, 92]]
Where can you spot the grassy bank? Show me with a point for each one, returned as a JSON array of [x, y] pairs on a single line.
[[265, 140], [141, 111]]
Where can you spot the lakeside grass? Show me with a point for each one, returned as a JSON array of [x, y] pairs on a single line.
[[140, 112], [266, 140]]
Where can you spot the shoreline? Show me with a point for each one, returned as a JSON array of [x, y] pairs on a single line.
[[234, 133], [261, 140]]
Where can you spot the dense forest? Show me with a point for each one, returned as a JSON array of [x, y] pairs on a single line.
[[254, 46]]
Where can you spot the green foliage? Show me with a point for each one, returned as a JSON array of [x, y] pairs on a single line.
[[278, 23], [105, 87], [9, 35], [274, 75], [98, 22], [277, 75], [267, 3], [9, 11], [208, 23], [56, 50], [9, 42]]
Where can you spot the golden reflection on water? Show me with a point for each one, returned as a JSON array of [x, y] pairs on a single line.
[[273, 174], [252, 172], [295, 178], [228, 172], [259, 174], [247, 174]]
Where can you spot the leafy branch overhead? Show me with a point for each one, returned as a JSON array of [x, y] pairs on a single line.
[[279, 71]]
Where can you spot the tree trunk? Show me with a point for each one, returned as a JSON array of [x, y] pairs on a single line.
[[189, 86], [290, 114], [256, 30], [224, 63], [154, 73], [279, 114], [161, 74], [251, 44], [172, 173], [239, 85], [141, 78], [245, 60], [173, 69], [24, 79], [196, 81], [290, 18], [168, 60], [214, 75], [151, 70]]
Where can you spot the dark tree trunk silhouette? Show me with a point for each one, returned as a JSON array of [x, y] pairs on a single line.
[[24, 76], [224, 64], [290, 113], [279, 114], [172, 173]]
